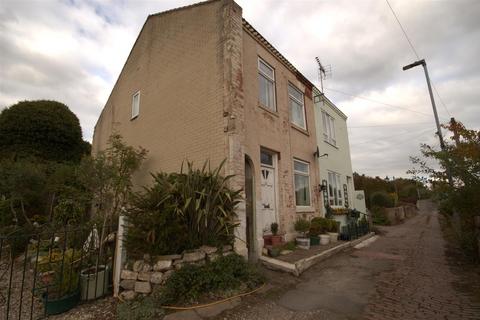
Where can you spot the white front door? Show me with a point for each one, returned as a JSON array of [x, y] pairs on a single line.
[[268, 206]]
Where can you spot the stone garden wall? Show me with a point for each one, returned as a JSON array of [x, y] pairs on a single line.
[[142, 276], [399, 214]]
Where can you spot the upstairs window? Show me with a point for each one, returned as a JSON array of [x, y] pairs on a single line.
[[297, 107], [266, 85], [334, 189], [136, 105], [328, 128], [301, 171]]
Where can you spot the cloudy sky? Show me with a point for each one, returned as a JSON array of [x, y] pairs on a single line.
[[73, 51]]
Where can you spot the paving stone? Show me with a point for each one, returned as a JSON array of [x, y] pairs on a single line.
[[127, 284], [143, 287], [138, 265], [147, 267], [216, 309], [156, 278], [169, 257], [144, 276], [162, 265], [183, 315], [128, 295], [128, 275], [208, 249], [193, 256]]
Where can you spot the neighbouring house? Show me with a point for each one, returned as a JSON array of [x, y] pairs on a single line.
[[334, 161], [200, 84]]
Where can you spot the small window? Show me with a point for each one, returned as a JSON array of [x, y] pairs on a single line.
[[266, 85], [266, 158], [297, 107], [136, 105], [328, 128], [302, 183], [334, 189]]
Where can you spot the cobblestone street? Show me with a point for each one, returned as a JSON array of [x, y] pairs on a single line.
[[405, 274]]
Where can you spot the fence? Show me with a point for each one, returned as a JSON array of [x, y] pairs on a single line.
[[49, 271], [354, 230]]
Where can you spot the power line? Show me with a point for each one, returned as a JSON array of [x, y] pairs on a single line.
[[416, 54], [390, 125], [393, 136], [379, 102]]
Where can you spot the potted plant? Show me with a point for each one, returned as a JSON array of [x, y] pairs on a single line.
[[276, 239], [302, 226], [333, 230], [324, 226], [62, 293], [315, 231]]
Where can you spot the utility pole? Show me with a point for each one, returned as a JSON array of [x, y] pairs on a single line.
[[439, 130]]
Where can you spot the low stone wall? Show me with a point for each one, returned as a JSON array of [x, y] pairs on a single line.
[[399, 214], [141, 276]]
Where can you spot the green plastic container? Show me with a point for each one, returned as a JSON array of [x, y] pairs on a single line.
[[314, 240], [61, 305]]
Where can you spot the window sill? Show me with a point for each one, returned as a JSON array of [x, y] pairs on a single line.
[[133, 118], [330, 144], [300, 129], [305, 209], [265, 108]]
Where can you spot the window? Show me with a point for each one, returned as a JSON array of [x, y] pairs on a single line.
[[328, 128], [136, 105], [266, 85], [301, 172], [266, 158], [297, 107], [334, 189]]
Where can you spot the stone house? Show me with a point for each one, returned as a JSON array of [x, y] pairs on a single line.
[[200, 84], [334, 161]]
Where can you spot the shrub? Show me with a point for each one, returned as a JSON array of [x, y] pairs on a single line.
[[44, 129], [379, 216], [302, 225], [145, 308], [183, 211], [193, 281], [382, 199], [274, 228], [319, 225]]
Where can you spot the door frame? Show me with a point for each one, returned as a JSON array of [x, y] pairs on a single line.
[[274, 166], [250, 211]]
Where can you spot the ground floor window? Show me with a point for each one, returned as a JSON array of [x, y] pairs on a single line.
[[334, 189], [301, 171]]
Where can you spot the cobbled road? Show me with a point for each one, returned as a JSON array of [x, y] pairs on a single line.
[[405, 274]]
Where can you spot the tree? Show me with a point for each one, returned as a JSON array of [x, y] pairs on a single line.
[[43, 129], [462, 156]]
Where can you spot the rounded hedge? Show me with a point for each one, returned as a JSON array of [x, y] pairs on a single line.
[[382, 199], [44, 129]]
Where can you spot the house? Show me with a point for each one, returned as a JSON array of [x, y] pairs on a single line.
[[200, 84], [334, 161]]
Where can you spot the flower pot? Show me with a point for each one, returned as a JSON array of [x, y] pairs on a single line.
[[62, 304], [89, 278], [314, 240], [276, 240], [333, 236], [303, 243], [324, 239], [267, 240]]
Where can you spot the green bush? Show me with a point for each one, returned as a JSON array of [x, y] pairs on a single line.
[[319, 225], [382, 199], [302, 225], [274, 228], [225, 274], [145, 308], [44, 129], [183, 211], [379, 216]]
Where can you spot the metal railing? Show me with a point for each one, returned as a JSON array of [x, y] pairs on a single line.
[[49, 270]]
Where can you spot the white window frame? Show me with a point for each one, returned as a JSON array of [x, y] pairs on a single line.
[[329, 128], [269, 78], [301, 102], [335, 189], [135, 108], [305, 175]]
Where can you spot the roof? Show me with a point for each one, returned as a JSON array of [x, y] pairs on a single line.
[[317, 92], [182, 8], [254, 33]]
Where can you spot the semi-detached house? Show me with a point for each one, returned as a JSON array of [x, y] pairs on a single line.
[[201, 83]]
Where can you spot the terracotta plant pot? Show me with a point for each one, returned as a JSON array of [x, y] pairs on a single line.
[[267, 240], [324, 239], [276, 240]]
